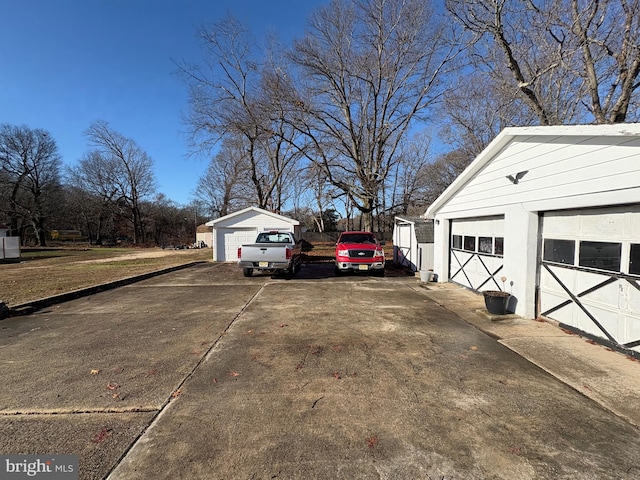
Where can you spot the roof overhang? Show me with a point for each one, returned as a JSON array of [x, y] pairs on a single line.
[[212, 223], [507, 135]]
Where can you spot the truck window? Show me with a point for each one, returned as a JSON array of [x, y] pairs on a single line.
[[357, 238], [273, 238]]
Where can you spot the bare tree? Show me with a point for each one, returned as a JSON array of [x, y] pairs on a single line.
[[566, 60], [30, 176], [128, 173], [367, 70], [225, 187], [95, 174], [228, 98], [410, 187], [604, 51]]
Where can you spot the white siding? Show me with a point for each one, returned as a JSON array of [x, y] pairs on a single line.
[[9, 247], [558, 168]]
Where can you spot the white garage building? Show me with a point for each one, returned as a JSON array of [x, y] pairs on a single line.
[[555, 210], [242, 227]]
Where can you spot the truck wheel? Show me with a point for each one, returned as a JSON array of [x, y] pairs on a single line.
[[247, 272], [290, 272]]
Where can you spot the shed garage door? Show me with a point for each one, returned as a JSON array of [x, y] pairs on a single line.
[[476, 252], [590, 272], [228, 241]]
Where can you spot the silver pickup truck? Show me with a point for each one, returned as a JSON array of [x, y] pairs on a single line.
[[274, 251]]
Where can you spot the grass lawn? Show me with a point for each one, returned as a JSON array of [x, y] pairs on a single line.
[[51, 271]]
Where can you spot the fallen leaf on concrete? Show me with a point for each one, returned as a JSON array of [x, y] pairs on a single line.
[[177, 393], [372, 441], [112, 386], [233, 374], [336, 375], [473, 347], [283, 325], [95, 371], [103, 434]]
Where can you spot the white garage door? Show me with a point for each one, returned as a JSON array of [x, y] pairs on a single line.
[[476, 252], [228, 241], [590, 272]]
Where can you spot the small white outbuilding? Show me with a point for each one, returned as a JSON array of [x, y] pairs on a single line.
[[555, 211], [413, 242], [9, 246], [242, 227]]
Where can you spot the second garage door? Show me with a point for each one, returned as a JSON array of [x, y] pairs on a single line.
[[590, 272]]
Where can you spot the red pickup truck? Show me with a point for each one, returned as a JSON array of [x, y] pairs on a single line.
[[359, 251]]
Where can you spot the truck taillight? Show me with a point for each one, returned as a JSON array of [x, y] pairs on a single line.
[[288, 253], [239, 253]]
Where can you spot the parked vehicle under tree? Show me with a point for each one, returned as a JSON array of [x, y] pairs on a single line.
[[359, 251]]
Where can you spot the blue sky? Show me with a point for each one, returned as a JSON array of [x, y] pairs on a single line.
[[66, 63]]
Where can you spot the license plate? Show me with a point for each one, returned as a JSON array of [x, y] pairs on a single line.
[[363, 267], [263, 264]]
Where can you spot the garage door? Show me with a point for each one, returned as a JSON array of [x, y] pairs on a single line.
[[590, 272], [229, 240], [476, 252]]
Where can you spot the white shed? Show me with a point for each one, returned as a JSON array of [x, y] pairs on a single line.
[[9, 246], [242, 227], [555, 210], [413, 242]]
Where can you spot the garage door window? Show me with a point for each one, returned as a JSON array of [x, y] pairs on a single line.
[[601, 255], [559, 251], [485, 245], [499, 247], [634, 260], [470, 244], [457, 241]]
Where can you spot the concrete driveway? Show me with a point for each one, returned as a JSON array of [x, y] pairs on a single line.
[[204, 374]]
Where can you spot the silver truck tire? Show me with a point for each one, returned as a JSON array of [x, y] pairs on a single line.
[[247, 272]]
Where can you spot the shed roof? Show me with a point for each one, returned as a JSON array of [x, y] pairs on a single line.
[[509, 134], [423, 228]]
